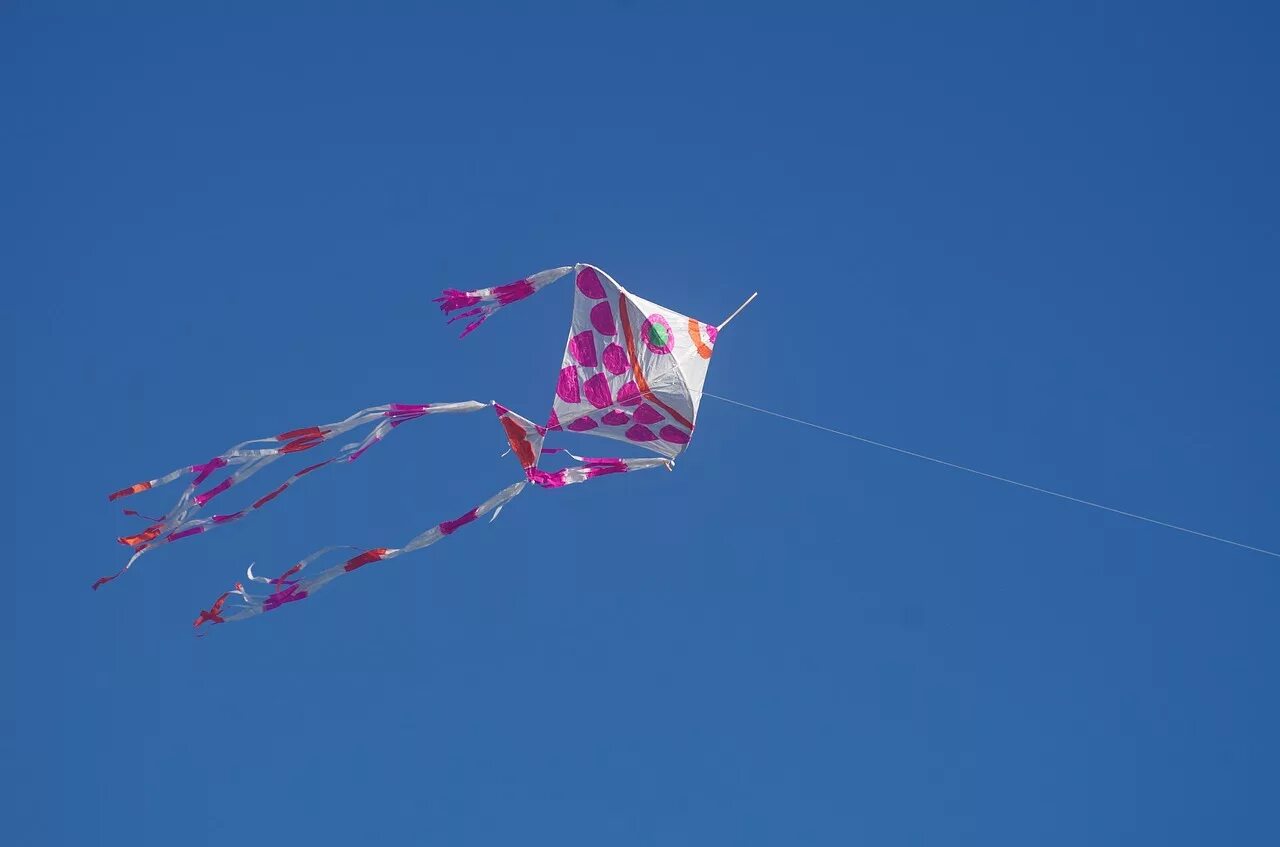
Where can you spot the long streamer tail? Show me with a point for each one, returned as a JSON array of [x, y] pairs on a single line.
[[245, 459], [526, 440], [293, 585]]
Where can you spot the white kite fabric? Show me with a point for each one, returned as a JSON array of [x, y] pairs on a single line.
[[632, 371]]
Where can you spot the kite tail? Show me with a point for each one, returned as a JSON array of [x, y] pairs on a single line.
[[483, 302], [245, 460], [525, 439], [590, 469], [291, 586]]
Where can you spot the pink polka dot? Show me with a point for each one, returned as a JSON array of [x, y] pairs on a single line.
[[589, 284], [673, 435], [602, 319], [646, 414], [615, 360], [597, 390], [617, 417], [582, 347], [628, 395], [553, 422], [567, 386], [712, 332], [640, 432], [582, 424]]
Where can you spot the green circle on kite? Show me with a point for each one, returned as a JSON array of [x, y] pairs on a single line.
[[656, 334]]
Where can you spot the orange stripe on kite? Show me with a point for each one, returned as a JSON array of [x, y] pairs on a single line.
[[641, 382], [696, 334], [306, 442], [141, 538], [262, 501], [131, 490], [313, 431], [365, 558], [519, 441]]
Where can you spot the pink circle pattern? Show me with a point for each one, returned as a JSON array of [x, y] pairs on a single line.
[[589, 284], [646, 333], [602, 319], [582, 347], [595, 389], [615, 360]]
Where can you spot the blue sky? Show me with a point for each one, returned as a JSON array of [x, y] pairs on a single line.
[[1037, 239]]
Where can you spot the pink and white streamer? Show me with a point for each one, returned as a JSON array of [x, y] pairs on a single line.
[[483, 302], [292, 585], [247, 458]]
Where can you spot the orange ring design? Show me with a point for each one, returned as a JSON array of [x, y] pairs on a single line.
[[703, 350]]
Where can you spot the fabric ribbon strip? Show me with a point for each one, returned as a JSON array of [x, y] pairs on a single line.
[[292, 586], [249, 457], [483, 302]]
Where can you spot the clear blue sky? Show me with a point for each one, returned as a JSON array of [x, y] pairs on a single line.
[[1036, 239]]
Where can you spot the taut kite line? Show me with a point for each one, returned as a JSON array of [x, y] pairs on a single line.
[[632, 371]]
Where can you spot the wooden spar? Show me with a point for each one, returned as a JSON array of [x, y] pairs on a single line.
[[724, 323]]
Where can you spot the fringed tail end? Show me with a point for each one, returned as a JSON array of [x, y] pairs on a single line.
[[483, 302], [292, 585], [183, 519]]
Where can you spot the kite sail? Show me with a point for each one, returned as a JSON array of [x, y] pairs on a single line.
[[632, 371]]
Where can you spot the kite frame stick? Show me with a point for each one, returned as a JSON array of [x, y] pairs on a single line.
[[724, 323]]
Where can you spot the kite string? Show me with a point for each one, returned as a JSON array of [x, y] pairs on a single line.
[[996, 477]]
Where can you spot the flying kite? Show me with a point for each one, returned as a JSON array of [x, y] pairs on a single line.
[[632, 371]]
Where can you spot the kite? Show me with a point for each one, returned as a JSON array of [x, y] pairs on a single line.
[[632, 371]]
